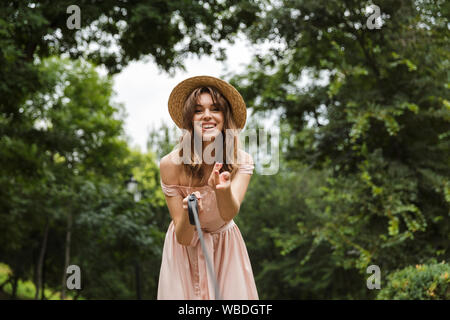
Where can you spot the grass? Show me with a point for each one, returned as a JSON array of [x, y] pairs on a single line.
[[25, 289]]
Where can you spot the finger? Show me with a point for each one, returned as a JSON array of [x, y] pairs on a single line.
[[225, 180], [200, 204], [217, 166], [216, 177], [225, 175]]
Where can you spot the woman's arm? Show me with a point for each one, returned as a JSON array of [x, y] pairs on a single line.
[[184, 231], [230, 194]]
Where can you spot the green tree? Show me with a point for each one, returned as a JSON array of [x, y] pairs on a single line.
[[162, 139], [112, 33], [60, 135], [68, 135], [375, 113]]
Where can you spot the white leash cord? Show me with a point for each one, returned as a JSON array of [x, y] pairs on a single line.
[[193, 213]]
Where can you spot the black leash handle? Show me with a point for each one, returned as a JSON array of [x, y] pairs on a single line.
[[192, 205], [193, 219]]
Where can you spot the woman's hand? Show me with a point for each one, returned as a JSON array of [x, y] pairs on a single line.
[[199, 201], [220, 181]]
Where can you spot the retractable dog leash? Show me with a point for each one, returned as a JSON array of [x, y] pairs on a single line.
[[193, 219]]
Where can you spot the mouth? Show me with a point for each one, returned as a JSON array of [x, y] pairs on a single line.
[[208, 126]]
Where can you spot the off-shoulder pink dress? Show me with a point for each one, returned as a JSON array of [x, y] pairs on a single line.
[[183, 274]]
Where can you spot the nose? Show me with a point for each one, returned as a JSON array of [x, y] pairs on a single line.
[[207, 113]]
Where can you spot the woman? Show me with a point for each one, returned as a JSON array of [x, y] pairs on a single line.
[[207, 107]]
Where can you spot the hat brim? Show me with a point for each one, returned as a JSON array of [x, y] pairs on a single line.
[[182, 91]]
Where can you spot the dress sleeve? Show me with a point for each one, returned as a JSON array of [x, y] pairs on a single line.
[[246, 168], [169, 190]]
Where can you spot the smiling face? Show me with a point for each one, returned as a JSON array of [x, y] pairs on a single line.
[[206, 114], [208, 118]]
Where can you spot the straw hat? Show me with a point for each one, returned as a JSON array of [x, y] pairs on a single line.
[[182, 91]]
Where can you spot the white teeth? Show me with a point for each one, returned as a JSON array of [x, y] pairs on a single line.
[[208, 126]]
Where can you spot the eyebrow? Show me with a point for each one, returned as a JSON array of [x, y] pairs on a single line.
[[213, 104]]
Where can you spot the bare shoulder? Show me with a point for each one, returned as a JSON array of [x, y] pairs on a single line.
[[244, 157], [169, 169]]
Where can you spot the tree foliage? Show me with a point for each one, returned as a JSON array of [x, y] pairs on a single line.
[[420, 282], [374, 114], [64, 156], [364, 162]]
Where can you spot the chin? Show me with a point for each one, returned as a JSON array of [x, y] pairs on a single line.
[[209, 135], [206, 136]]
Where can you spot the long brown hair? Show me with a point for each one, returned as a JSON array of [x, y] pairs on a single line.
[[194, 168]]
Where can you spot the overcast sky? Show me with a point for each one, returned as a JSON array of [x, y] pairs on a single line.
[[144, 90]]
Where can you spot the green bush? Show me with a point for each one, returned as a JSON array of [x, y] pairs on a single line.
[[420, 282]]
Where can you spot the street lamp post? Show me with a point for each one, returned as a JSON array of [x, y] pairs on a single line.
[[132, 187]]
